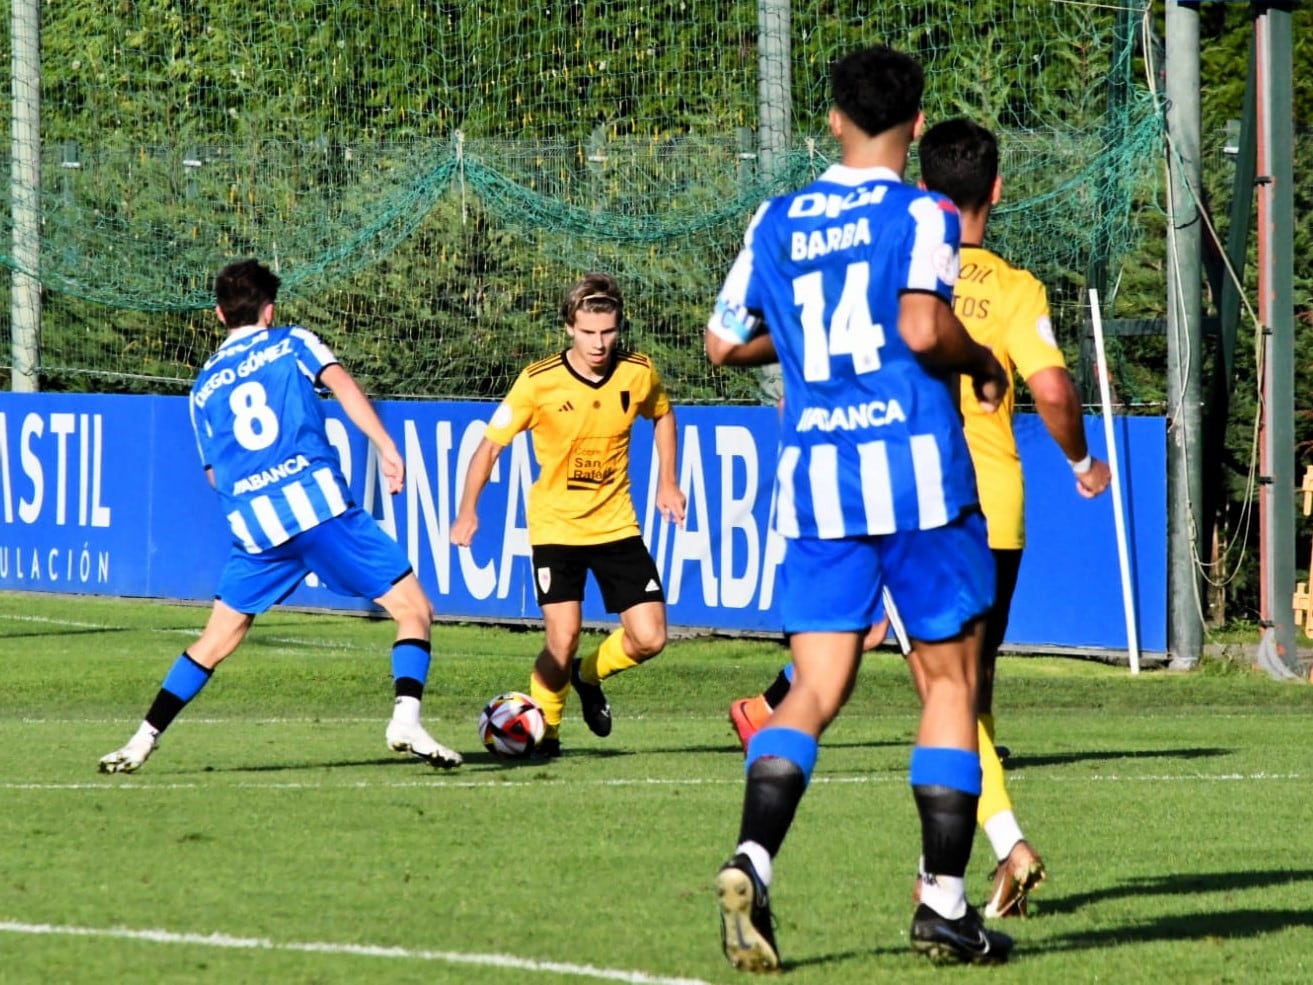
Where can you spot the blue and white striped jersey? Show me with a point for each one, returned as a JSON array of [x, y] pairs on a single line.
[[260, 427], [870, 442]]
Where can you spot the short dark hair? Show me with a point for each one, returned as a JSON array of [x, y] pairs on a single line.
[[593, 292], [959, 158], [877, 88], [242, 289]]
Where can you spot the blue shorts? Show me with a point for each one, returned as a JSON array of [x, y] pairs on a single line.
[[942, 579], [350, 553]]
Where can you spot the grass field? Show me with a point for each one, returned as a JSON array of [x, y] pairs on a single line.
[[274, 838]]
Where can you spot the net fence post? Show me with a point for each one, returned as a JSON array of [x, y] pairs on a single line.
[[25, 194]]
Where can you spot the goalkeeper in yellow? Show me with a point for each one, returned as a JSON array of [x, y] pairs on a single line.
[[579, 407], [1006, 309]]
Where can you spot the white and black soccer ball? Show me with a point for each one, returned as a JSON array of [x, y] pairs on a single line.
[[511, 725]]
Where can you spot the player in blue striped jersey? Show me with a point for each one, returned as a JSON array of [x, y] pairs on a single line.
[[261, 433], [849, 283]]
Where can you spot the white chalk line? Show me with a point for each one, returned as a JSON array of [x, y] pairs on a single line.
[[501, 780], [219, 940]]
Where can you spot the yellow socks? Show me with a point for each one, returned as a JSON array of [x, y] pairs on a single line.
[[994, 797], [994, 812], [607, 660], [552, 704]]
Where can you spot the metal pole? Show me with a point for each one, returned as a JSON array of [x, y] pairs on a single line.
[[25, 193], [774, 84], [1185, 350], [775, 112], [1218, 399], [1276, 307]]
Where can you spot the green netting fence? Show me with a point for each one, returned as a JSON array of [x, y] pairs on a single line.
[[428, 177]]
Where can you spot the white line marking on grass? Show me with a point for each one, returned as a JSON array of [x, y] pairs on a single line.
[[355, 950], [492, 783], [501, 781], [382, 720], [1197, 777], [200, 720]]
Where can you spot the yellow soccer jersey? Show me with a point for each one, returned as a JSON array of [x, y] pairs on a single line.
[[1006, 309], [580, 432]]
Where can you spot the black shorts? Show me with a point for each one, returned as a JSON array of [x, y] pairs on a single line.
[[624, 570]]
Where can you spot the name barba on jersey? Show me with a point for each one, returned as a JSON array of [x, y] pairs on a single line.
[[819, 242]]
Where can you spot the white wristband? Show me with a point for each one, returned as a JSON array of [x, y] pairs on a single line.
[[1083, 466]]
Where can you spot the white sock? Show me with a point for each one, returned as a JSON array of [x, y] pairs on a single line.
[[145, 734], [760, 859], [1003, 832], [946, 895], [406, 710]]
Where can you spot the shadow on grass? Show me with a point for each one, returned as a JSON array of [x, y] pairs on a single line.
[[1229, 925], [906, 743], [398, 760], [830, 960], [64, 631], [1224, 925], [475, 758], [1016, 762], [1185, 885]]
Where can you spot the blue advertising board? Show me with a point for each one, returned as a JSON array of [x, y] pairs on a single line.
[[104, 495]]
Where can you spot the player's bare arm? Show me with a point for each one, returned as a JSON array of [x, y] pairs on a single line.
[[477, 475], [938, 338], [670, 499], [1059, 408], [757, 351], [363, 415]]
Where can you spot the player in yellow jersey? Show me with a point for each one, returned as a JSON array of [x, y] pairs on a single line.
[[1006, 309], [579, 407]]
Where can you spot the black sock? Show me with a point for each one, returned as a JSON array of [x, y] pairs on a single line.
[[408, 687], [778, 690], [948, 825], [164, 709], [775, 787]]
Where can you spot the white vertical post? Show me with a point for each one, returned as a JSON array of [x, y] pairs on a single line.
[[25, 193], [774, 83], [1118, 514], [774, 123]]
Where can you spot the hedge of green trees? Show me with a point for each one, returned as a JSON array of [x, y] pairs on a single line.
[[430, 175]]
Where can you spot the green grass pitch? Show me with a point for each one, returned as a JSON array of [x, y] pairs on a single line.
[[274, 838]]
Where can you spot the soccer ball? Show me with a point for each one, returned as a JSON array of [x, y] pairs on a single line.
[[511, 725]]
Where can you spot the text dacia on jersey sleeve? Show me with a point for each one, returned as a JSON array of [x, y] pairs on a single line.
[[871, 442], [260, 428]]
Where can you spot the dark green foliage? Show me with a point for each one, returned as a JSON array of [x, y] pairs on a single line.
[[428, 177]]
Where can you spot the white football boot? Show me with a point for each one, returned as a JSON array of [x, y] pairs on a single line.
[[130, 758], [412, 738]]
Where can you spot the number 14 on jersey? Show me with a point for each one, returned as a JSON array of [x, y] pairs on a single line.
[[850, 331]]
